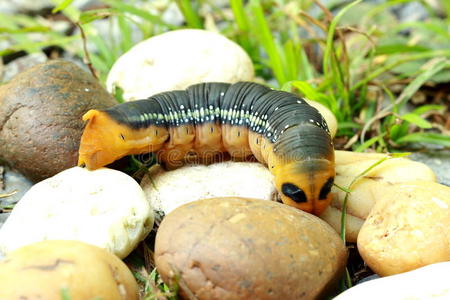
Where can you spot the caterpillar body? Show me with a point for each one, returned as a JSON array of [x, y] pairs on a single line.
[[278, 128]]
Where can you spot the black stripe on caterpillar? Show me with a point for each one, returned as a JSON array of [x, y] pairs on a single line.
[[278, 128]]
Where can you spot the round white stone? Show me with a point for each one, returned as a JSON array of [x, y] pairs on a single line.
[[177, 59], [167, 190], [426, 283], [105, 207]]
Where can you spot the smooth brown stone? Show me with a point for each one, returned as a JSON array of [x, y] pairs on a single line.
[[40, 117], [240, 248]]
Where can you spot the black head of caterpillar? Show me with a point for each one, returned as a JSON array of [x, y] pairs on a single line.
[[302, 161]]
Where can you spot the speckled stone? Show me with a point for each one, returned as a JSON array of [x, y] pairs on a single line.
[[240, 248]]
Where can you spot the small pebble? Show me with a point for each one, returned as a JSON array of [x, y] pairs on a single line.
[[408, 228]]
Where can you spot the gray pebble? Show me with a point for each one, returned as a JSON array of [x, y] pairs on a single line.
[[438, 161], [13, 181]]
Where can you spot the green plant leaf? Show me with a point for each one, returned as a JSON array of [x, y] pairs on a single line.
[[347, 125], [434, 66], [62, 5], [399, 48], [396, 62], [427, 108], [369, 143], [239, 15], [399, 154], [398, 130], [190, 14], [95, 14], [128, 8], [25, 29], [330, 35], [266, 39], [425, 137], [416, 120]]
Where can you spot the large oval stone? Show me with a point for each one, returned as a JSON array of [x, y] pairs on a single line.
[[40, 117], [238, 248], [104, 207]]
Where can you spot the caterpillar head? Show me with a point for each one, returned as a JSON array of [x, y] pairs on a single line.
[[306, 184], [101, 142]]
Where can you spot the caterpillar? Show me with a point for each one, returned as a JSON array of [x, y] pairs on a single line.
[[242, 119]]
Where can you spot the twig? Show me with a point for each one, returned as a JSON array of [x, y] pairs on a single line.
[[327, 12], [8, 194], [87, 57], [313, 20]]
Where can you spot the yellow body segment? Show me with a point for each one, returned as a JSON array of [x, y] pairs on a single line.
[[255, 141], [235, 141], [208, 141], [180, 142]]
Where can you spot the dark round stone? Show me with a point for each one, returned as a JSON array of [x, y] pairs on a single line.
[[40, 117]]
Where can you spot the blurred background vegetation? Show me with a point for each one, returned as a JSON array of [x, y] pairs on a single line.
[[381, 66]]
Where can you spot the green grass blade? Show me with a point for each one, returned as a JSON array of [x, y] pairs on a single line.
[[63, 4], [377, 72], [369, 143], [240, 16], [128, 8], [95, 14], [125, 33], [190, 15], [30, 29], [331, 66], [427, 108], [399, 154], [425, 137], [344, 189], [291, 60], [416, 120], [265, 37], [400, 48], [349, 125], [397, 131], [307, 71], [434, 67], [330, 35]]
